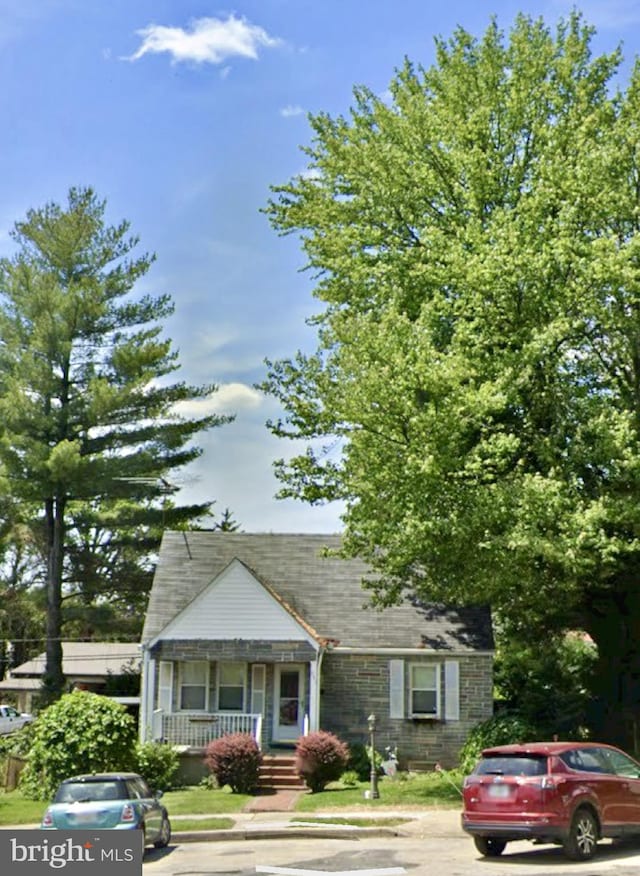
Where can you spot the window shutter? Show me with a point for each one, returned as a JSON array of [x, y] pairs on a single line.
[[165, 685], [258, 684], [396, 688], [451, 690]]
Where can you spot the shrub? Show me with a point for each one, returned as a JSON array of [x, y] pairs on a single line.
[[349, 779], [360, 760], [81, 732], [320, 758], [234, 760], [499, 730], [157, 763]]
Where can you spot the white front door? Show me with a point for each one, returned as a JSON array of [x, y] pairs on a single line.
[[288, 701]]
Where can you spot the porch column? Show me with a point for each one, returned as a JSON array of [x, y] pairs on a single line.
[[148, 696], [315, 675]]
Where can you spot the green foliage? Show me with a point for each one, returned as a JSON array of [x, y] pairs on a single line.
[[234, 760], [320, 758], [360, 760], [19, 742], [80, 733], [549, 686], [91, 422], [157, 763], [350, 778], [500, 730], [475, 242]]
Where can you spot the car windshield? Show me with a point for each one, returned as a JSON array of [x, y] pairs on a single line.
[[512, 765], [80, 792]]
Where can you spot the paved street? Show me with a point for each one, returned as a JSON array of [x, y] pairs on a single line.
[[432, 847]]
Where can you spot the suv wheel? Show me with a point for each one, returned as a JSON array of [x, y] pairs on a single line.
[[580, 845], [489, 846]]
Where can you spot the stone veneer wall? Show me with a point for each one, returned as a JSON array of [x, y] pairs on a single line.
[[354, 686], [251, 651]]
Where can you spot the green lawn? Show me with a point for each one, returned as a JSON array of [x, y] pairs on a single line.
[[414, 792], [16, 809], [182, 824], [204, 801], [354, 821]]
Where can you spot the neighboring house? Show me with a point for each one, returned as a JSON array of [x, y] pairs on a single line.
[[94, 666], [266, 634]]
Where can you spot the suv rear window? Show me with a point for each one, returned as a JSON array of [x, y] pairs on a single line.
[[512, 765]]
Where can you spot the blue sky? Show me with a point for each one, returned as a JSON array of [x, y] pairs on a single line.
[[181, 114]]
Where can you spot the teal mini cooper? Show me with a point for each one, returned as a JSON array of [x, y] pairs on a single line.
[[117, 801]]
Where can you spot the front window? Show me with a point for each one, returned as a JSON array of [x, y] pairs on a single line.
[[193, 686], [231, 686], [425, 691]]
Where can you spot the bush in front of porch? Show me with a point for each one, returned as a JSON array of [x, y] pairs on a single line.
[[320, 758], [234, 760]]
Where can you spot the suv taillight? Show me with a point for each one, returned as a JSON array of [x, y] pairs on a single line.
[[128, 813], [47, 819]]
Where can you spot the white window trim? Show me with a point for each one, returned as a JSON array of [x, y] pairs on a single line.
[[221, 663], [206, 685], [423, 716]]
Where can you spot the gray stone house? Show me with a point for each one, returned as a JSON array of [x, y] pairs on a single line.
[[265, 634]]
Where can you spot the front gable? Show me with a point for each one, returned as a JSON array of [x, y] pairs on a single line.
[[236, 605]]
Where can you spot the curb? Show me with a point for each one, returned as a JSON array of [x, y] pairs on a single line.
[[256, 833]]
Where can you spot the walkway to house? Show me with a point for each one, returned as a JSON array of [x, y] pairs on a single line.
[[276, 800]]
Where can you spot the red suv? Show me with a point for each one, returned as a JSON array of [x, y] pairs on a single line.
[[570, 793]]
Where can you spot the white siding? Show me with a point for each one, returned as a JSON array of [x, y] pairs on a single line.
[[235, 606]]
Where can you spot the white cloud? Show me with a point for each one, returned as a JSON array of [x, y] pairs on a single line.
[[289, 111], [205, 41], [229, 399]]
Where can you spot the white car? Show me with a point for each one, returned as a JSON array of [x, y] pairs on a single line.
[[11, 719]]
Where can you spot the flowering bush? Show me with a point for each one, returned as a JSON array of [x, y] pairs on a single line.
[[320, 758], [234, 760]]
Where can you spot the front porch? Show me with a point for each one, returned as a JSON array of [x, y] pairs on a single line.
[[197, 730], [189, 703]]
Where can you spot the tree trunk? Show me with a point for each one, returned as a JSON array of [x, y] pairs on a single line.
[[53, 678]]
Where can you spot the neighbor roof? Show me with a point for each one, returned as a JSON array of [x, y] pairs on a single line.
[[325, 591], [86, 660]]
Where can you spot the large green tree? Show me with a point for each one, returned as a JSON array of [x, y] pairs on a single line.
[[91, 425], [474, 398]]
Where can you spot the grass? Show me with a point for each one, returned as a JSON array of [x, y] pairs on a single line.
[[416, 791], [355, 822], [15, 808], [204, 801], [182, 824]]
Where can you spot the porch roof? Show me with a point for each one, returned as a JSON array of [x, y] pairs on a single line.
[[324, 591]]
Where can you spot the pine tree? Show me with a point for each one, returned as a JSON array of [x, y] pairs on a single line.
[[90, 421]]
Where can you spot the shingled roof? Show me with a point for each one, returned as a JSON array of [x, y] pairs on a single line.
[[324, 591]]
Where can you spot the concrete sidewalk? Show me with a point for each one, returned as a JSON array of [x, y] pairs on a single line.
[[281, 825]]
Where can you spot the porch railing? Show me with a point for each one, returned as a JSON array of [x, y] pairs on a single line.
[[197, 729]]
